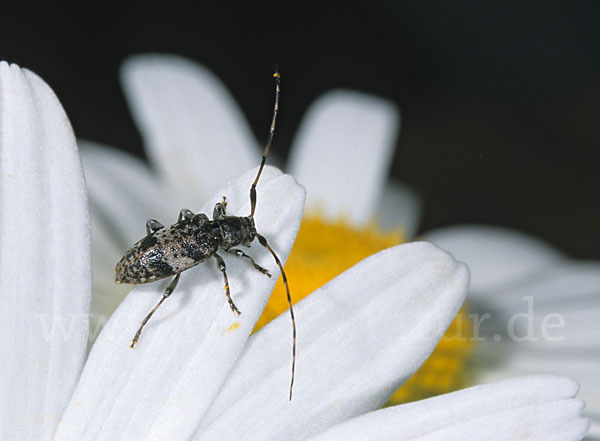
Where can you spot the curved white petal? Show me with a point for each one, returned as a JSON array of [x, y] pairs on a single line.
[[161, 389], [498, 258], [522, 408], [359, 337], [343, 152], [45, 270], [400, 206], [546, 324], [194, 131], [556, 421], [526, 360]]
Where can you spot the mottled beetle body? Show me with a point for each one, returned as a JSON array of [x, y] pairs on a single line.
[[168, 251], [194, 239]]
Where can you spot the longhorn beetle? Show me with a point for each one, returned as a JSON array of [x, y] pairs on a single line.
[[194, 239]]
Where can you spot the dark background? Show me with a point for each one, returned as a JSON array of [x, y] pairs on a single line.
[[500, 101]]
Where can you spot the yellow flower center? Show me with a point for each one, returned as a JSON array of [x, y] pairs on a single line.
[[323, 250]]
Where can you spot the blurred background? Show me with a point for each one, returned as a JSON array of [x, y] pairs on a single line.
[[499, 101]]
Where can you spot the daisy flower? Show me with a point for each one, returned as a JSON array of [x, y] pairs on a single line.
[[188, 120], [196, 374]]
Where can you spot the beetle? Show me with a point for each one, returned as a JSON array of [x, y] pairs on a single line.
[[194, 239]]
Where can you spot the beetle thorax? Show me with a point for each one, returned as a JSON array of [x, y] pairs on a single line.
[[236, 231]]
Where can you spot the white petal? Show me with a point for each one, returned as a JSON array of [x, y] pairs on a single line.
[[400, 206], [123, 194], [343, 153], [193, 129], [497, 257], [547, 324], [45, 269], [556, 421], [526, 406], [583, 368], [106, 294], [574, 333], [564, 285], [593, 433], [161, 389], [570, 325], [359, 337], [556, 309]]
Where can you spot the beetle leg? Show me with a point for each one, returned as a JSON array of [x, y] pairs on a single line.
[[185, 214], [168, 291], [153, 225], [221, 265], [219, 211], [240, 253]]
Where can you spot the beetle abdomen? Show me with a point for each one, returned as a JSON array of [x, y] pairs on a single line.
[[166, 252]]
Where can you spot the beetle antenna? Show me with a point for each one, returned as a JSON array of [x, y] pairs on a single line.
[[260, 238], [269, 140], [264, 243]]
